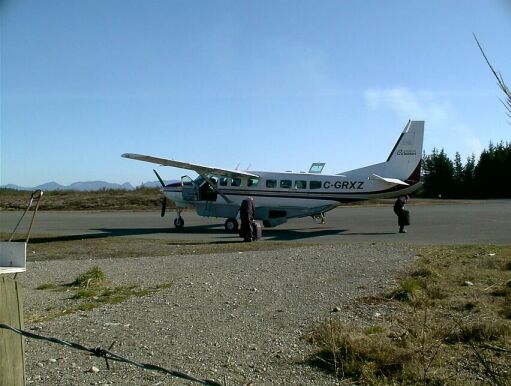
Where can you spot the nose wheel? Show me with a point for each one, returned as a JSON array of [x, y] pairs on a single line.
[[179, 223], [231, 225]]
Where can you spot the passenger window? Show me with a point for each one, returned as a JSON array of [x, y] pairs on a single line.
[[252, 181], [236, 182], [271, 183], [315, 185], [223, 181], [286, 184], [299, 184]]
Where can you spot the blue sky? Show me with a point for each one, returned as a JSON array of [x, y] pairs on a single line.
[[270, 85]]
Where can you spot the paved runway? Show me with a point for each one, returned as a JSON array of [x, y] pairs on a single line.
[[481, 222]]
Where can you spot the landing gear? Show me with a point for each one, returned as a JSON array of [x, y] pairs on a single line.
[[179, 223], [319, 218], [231, 225]]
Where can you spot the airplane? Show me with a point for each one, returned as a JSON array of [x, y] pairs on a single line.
[[218, 192]]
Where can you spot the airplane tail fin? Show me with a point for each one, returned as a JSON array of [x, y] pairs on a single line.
[[403, 166]]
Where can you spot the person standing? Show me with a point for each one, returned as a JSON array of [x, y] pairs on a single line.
[[403, 215], [247, 214]]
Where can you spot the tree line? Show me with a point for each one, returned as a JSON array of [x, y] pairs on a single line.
[[489, 177]]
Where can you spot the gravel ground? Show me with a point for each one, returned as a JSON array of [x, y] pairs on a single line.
[[236, 318]]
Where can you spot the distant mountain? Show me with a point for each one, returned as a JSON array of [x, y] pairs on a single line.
[[97, 185], [79, 186], [153, 184], [86, 186], [47, 186]]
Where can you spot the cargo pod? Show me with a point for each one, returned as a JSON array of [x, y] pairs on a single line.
[[273, 217]]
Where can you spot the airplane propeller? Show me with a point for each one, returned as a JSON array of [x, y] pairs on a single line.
[[159, 178], [163, 206], [164, 201]]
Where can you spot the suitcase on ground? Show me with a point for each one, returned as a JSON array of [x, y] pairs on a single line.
[[406, 217], [257, 230]]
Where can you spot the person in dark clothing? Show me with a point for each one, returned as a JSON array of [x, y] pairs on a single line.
[[403, 215], [247, 214]]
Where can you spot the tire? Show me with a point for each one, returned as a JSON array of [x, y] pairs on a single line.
[[231, 225], [179, 223]]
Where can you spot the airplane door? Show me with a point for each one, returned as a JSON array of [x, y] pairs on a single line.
[[189, 190], [207, 192]]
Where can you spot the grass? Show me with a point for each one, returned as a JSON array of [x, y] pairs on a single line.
[[443, 330], [138, 199], [89, 290], [46, 286]]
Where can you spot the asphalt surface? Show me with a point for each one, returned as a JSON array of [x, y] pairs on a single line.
[[477, 222]]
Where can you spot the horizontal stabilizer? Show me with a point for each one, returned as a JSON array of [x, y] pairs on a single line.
[[393, 181]]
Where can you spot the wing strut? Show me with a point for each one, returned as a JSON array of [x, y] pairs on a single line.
[[213, 185]]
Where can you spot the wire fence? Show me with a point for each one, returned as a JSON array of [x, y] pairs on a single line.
[[108, 355]]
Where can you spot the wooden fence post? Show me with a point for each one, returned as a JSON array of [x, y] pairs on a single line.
[[12, 353]]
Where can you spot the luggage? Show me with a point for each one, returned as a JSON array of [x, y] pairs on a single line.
[[404, 218], [257, 231]]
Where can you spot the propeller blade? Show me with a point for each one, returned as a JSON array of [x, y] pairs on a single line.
[[159, 178], [163, 206]]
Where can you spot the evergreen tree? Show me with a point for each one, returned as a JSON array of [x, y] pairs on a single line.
[[438, 175], [493, 172], [458, 176], [468, 177], [489, 178]]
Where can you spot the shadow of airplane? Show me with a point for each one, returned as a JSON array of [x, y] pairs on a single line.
[[369, 234], [272, 234]]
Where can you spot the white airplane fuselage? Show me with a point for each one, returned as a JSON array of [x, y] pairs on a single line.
[[291, 194]]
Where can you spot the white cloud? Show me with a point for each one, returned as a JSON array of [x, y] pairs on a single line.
[[444, 127], [421, 105]]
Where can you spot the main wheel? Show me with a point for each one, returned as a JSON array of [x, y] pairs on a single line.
[[179, 223], [231, 225]]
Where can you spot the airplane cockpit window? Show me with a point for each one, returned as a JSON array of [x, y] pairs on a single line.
[[253, 181], [271, 183], [299, 184], [315, 185], [286, 184], [236, 182], [223, 181], [186, 181]]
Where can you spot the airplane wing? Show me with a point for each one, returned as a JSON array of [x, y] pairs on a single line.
[[199, 169], [392, 181]]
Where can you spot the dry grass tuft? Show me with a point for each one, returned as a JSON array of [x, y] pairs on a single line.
[[475, 331], [365, 356], [93, 278]]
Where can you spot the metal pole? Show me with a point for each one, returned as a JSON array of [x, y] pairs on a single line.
[[36, 195]]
